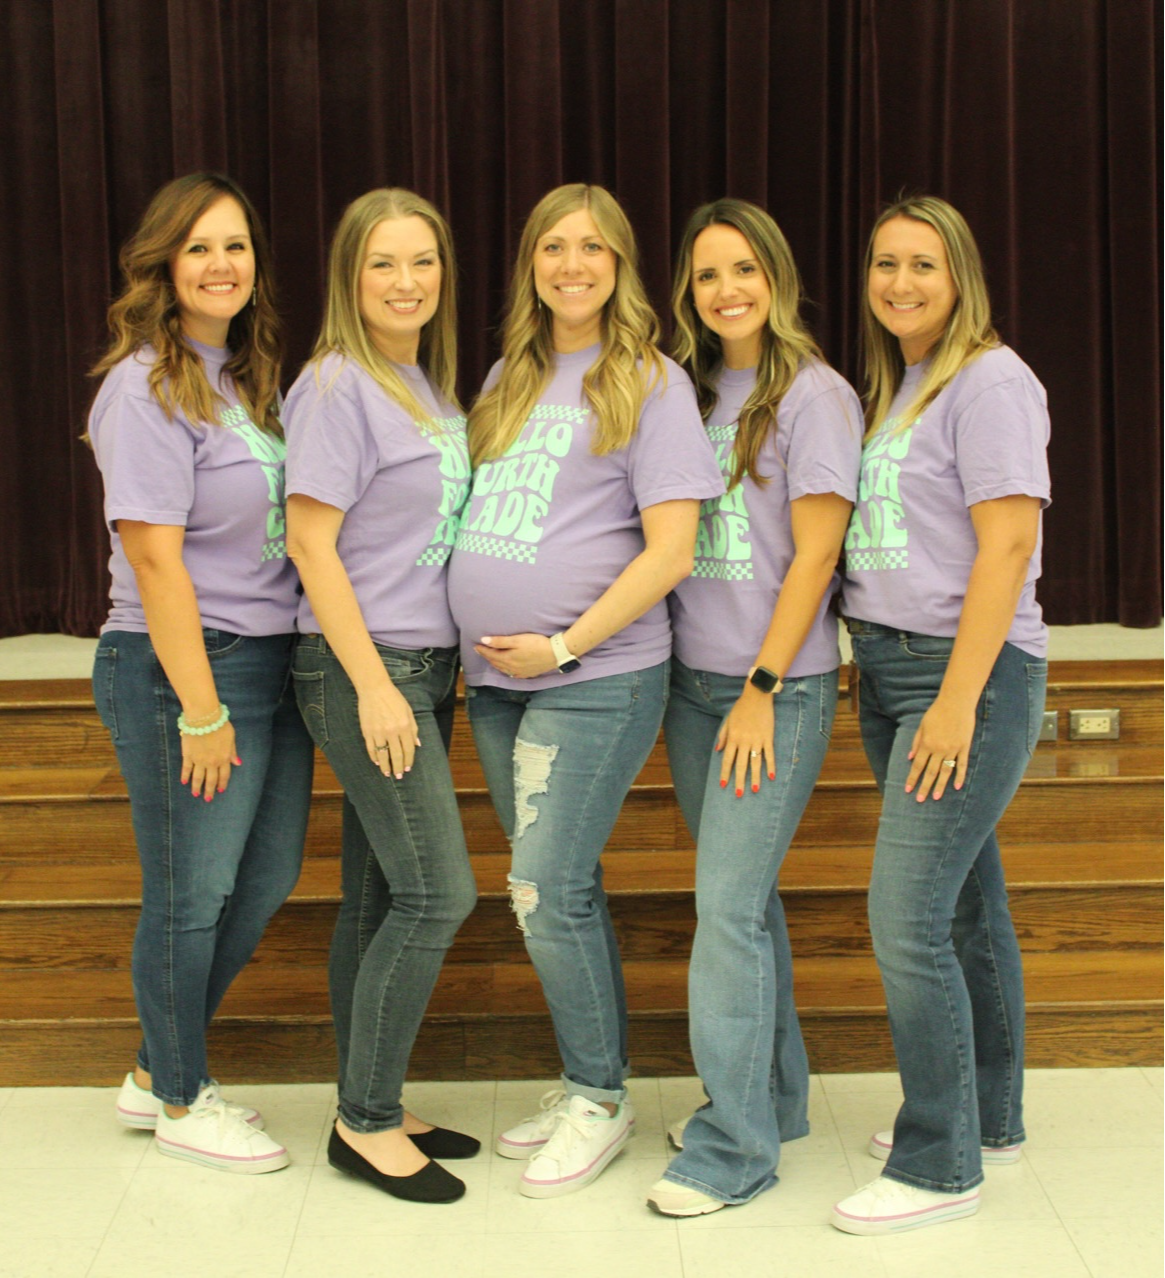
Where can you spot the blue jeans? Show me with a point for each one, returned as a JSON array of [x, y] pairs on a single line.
[[559, 763], [405, 874], [746, 1039], [214, 873], [941, 927]]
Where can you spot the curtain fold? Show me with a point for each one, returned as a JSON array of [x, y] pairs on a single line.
[[1038, 119]]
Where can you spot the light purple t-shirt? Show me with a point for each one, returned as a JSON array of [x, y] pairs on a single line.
[[401, 485], [721, 613], [911, 543], [549, 526], [223, 484]]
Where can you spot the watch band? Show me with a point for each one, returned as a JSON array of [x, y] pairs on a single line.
[[564, 659]]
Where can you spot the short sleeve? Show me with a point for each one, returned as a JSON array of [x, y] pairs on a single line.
[[825, 445], [1001, 443], [670, 458], [331, 454], [146, 462]]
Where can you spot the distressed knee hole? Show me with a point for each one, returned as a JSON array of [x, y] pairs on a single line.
[[531, 776], [523, 899]]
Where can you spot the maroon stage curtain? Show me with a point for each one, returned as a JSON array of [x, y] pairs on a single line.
[[1037, 118]]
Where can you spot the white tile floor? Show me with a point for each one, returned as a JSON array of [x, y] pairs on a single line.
[[81, 1197]]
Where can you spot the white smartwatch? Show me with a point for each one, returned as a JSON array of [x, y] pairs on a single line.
[[564, 659]]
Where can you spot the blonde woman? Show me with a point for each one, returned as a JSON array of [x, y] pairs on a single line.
[[191, 670], [942, 557], [377, 472], [754, 683], [590, 463]]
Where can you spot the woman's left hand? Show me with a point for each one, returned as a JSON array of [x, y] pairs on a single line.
[[518, 656], [746, 739], [943, 735]]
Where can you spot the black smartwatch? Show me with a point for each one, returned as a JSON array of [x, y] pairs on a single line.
[[564, 659], [765, 680]]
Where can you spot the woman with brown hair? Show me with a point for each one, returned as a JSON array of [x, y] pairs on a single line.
[[191, 673]]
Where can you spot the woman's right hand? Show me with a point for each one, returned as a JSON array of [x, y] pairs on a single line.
[[207, 760], [389, 729]]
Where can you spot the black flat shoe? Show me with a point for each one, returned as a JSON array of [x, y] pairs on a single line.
[[432, 1184], [442, 1143]]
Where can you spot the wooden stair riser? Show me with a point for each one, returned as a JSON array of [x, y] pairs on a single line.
[[648, 927], [76, 738], [650, 820]]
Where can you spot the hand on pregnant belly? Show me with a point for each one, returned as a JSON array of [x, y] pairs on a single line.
[[517, 656]]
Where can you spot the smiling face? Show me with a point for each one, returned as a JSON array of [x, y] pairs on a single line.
[[730, 292], [214, 272], [574, 275], [400, 285], [910, 287]]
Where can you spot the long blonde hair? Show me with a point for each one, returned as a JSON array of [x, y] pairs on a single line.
[[628, 363], [343, 330], [786, 344], [146, 312], [968, 333]]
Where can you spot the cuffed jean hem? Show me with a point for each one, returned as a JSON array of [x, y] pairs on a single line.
[[600, 1095]]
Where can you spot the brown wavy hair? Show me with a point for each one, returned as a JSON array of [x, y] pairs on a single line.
[[786, 345], [146, 313]]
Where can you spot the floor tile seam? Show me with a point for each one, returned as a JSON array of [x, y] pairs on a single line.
[[113, 1216]]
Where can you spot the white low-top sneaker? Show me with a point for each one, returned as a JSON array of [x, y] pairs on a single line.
[[584, 1140], [886, 1206], [215, 1135], [670, 1199], [881, 1143], [526, 1138], [138, 1108]]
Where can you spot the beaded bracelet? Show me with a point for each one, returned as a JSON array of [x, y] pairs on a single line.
[[187, 731]]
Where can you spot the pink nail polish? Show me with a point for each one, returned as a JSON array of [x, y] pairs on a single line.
[[237, 761], [208, 797]]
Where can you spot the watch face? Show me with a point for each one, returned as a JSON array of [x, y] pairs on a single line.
[[568, 666], [763, 679]]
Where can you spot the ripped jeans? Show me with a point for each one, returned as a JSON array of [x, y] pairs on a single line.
[[559, 762]]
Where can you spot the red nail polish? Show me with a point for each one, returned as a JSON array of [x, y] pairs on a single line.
[[208, 797], [723, 785], [772, 776], [237, 761], [756, 787], [740, 794]]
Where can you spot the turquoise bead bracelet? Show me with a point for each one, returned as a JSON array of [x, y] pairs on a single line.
[[187, 731]]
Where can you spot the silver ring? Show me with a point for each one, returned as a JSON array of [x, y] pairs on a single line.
[[950, 763], [379, 748], [752, 754]]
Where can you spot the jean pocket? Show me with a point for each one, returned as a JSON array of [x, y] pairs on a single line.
[[104, 671], [220, 642], [927, 647], [403, 665], [309, 696]]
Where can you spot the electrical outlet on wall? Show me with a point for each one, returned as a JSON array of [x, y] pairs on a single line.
[[1094, 725], [1051, 725]]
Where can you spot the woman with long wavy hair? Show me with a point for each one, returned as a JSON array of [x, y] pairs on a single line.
[[754, 683], [941, 561], [590, 462], [377, 471], [191, 673]]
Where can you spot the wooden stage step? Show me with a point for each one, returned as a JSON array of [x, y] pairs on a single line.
[[1081, 841]]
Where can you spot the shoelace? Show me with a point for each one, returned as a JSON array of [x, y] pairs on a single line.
[[226, 1114], [569, 1126], [549, 1105]]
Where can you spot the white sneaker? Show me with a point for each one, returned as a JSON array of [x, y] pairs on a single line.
[[526, 1138], [138, 1108], [215, 1135], [886, 1206], [670, 1199], [675, 1134], [881, 1143], [584, 1140]]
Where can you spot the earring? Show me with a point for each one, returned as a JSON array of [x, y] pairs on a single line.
[[254, 296]]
